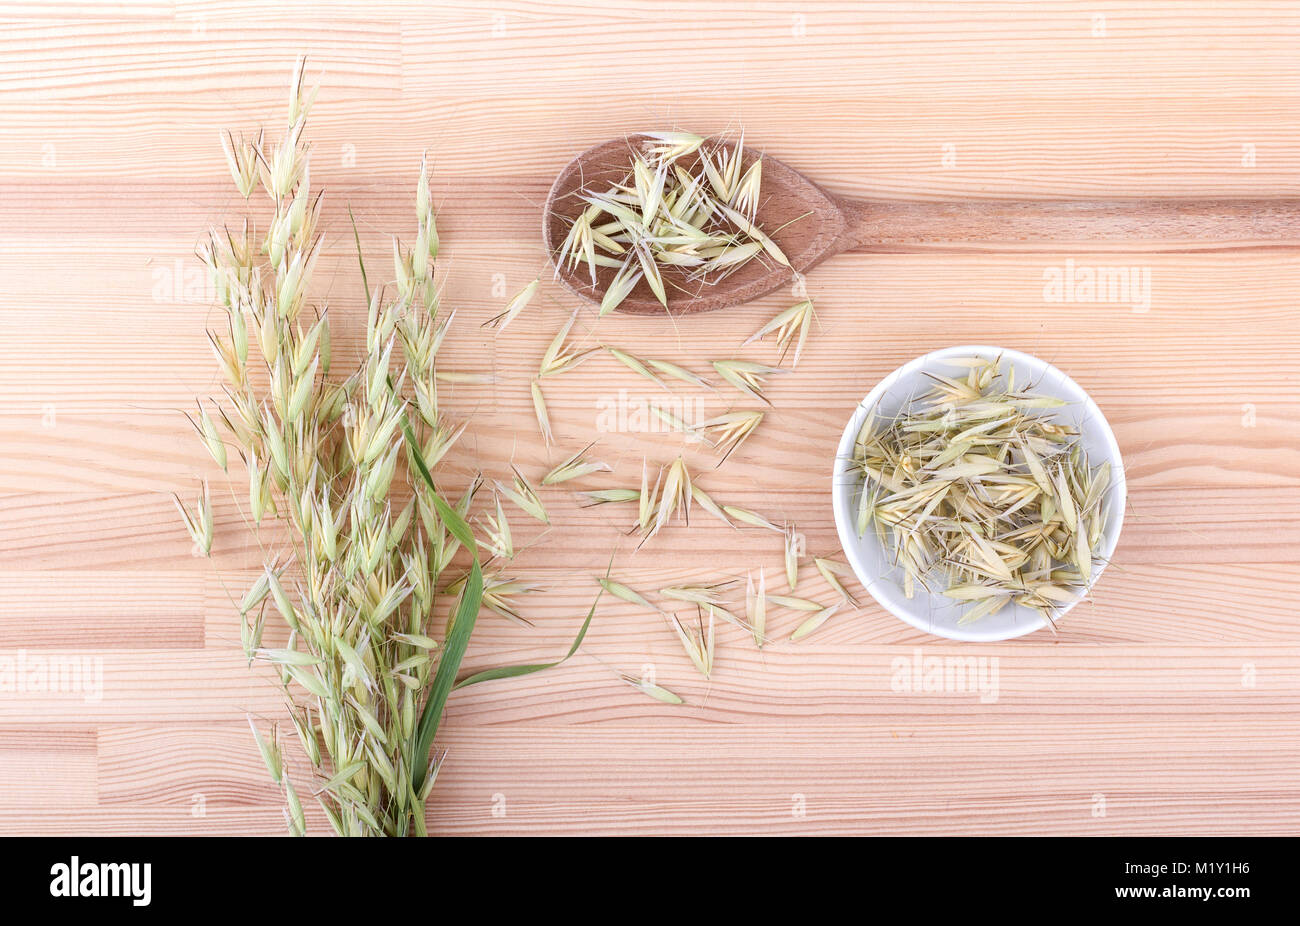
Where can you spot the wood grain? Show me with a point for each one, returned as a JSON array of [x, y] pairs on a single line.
[[1169, 704]]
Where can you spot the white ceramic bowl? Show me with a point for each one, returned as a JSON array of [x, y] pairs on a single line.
[[934, 613]]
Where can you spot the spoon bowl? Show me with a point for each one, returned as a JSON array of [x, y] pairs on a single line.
[[805, 222]]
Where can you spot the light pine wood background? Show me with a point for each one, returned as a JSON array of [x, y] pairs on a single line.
[[1167, 705]]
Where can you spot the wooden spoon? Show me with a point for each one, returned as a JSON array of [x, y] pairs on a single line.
[[821, 224]]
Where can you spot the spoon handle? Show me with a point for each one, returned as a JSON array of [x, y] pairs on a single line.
[[1045, 225]]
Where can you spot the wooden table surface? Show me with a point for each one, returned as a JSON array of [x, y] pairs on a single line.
[[1165, 705]]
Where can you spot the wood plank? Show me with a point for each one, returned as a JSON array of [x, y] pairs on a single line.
[[1171, 695], [47, 769]]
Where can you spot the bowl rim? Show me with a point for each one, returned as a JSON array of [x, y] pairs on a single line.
[[841, 488]]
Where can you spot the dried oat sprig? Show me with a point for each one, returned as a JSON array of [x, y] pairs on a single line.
[[343, 467], [676, 424], [705, 501], [498, 594], [525, 497], [658, 692], [679, 372], [362, 585], [673, 145], [703, 595], [626, 593], [730, 430], [609, 496], [792, 603], [541, 413], [756, 606], [635, 364], [559, 358], [518, 302], [746, 375], [647, 496], [198, 525], [790, 327], [575, 467], [752, 518], [463, 377], [745, 224], [497, 533], [698, 641], [832, 571], [815, 622], [674, 498], [645, 685], [620, 287], [791, 558], [242, 157]]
